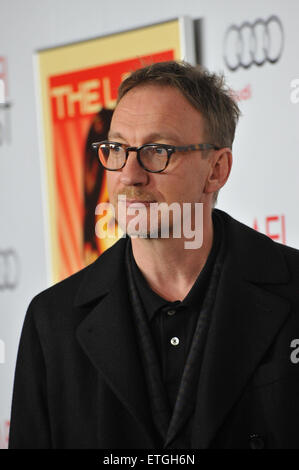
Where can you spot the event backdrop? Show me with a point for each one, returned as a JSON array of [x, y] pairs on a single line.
[[78, 91], [257, 50], [53, 106]]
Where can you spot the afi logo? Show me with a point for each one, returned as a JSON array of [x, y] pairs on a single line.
[[4, 433], [4, 104], [274, 227], [3, 81], [2, 352]]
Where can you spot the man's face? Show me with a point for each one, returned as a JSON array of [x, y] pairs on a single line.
[[159, 114]]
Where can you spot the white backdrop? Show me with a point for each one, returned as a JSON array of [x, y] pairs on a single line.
[[263, 187]]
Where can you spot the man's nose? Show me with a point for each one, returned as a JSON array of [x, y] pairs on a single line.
[[133, 173]]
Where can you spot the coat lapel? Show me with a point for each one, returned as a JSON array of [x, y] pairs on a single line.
[[107, 333], [245, 320]]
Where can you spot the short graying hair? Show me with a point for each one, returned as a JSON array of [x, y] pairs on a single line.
[[206, 91]]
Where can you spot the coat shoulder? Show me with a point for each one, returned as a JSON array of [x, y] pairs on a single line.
[[236, 226], [59, 300], [291, 256], [263, 259]]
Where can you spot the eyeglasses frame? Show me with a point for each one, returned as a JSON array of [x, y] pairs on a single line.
[[171, 149]]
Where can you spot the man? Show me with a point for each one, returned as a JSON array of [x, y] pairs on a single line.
[[156, 345]]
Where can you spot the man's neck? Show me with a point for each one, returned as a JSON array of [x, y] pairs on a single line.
[[169, 268]]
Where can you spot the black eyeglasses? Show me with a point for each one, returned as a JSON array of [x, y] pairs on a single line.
[[151, 157]]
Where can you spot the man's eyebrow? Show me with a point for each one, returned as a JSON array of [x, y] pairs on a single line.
[[114, 135], [154, 137]]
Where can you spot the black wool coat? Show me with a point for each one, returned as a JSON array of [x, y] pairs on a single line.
[[79, 381]]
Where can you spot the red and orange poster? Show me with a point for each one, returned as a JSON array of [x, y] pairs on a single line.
[[78, 89]]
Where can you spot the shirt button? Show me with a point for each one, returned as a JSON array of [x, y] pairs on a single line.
[[174, 341], [256, 441], [171, 312]]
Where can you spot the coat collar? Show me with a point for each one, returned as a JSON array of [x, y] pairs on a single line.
[[107, 334], [100, 276], [253, 255]]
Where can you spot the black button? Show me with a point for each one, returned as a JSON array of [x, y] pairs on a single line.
[[256, 441]]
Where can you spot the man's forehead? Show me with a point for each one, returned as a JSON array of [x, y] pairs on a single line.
[[158, 136], [154, 113], [153, 98]]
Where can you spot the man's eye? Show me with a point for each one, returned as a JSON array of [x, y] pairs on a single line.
[[159, 150], [115, 148]]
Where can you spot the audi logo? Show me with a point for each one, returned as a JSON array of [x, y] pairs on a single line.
[[9, 269], [253, 43]]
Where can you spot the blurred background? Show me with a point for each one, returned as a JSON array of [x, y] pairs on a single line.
[[61, 62]]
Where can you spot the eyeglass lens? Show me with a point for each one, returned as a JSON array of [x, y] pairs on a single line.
[[113, 157]]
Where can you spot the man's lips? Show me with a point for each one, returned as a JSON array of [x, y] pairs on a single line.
[[138, 202]]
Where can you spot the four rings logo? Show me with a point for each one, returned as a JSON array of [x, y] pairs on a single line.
[[9, 269], [253, 43]]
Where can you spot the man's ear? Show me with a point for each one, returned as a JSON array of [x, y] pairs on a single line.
[[221, 164]]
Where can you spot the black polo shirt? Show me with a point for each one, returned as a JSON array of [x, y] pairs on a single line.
[[172, 324]]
